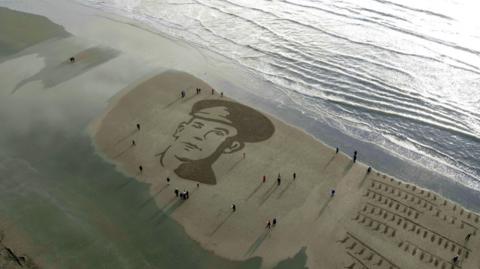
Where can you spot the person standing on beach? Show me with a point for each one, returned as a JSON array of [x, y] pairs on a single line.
[[168, 180], [294, 175], [264, 178], [133, 142], [234, 207], [332, 193], [182, 94], [274, 222], [279, 180], [369, 170], [138, 126], [213, 91], [269, 225], [140, 168], [468, 237], [176, 192], [221, 94]]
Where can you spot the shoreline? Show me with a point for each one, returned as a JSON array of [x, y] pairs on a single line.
[[415, 161], [384, 159], [388, 162], [306, 201], [349, 181]]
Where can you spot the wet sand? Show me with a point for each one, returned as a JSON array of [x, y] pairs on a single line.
[[10, 259], [373, 220]]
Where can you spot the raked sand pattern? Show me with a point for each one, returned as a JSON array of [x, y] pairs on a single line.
[[372, 220]]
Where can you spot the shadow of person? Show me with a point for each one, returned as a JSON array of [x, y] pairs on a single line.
[[255, 191], [221, 224], [161, 215], [123, 151], [172, 103], [152, 196], [347, 168], [324, 206], [130, 134], [234, 165], [268, 193], [258, 242], [285, 189], [329, 161], [363, 179]]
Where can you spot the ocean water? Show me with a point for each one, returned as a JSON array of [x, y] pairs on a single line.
[[411, 95], [403, 75]]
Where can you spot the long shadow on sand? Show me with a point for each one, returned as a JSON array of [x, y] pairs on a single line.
[[123, 185], [329, 161], [285, 189], [153, 196], [167, 209], [172, 103], [186, 99], [347, 168], [324, 206], [125, 137], [363, 179], [268, 193], [221, 224], [123, 152], [234, 165], [254, 191], [258, 242]]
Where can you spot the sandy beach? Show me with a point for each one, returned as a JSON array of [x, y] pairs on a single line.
[[371, 220], [93, 151]]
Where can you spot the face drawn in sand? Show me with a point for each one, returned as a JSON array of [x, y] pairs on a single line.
[[215, 128]]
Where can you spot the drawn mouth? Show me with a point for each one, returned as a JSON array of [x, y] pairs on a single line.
[[190, 146]]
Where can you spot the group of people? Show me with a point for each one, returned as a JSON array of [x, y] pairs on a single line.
[[198, 91], [271, 224], [184, 195]]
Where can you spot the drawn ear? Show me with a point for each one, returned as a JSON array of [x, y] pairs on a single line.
[[180, 129], [234, 147]]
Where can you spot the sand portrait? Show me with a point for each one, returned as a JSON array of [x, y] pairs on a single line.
[[224, 153], [216, 127], [238, 134]]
